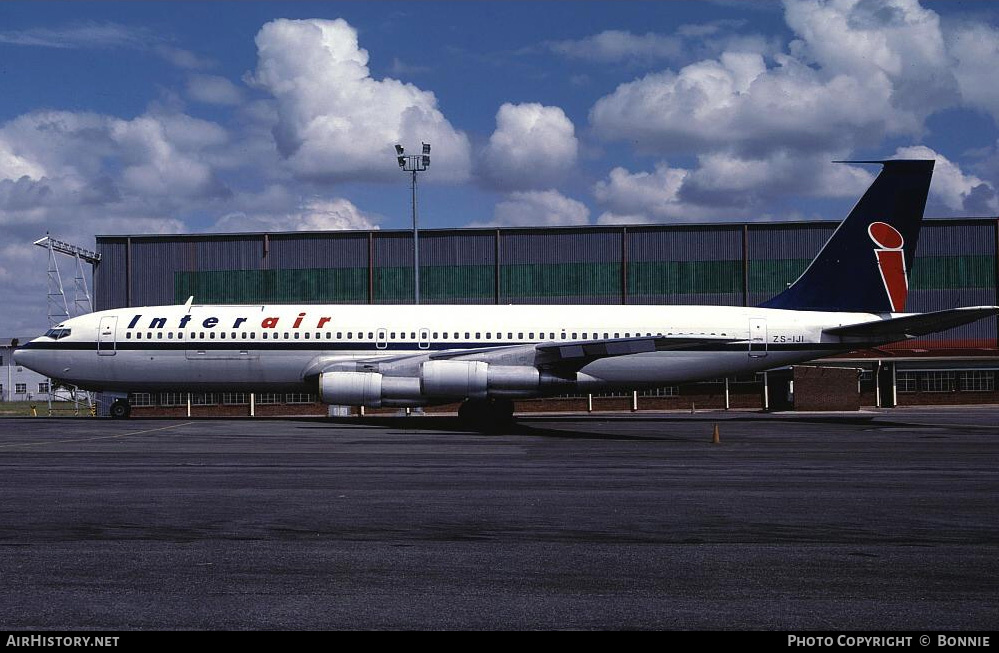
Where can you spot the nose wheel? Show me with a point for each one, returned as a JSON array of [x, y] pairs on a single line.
[[120, 409]]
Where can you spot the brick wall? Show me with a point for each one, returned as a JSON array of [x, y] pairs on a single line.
[[825, 388]]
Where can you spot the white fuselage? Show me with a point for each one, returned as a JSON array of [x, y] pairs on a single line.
[[285, 347]]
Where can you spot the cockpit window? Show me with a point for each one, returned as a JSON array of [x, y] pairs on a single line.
[[55, 334]]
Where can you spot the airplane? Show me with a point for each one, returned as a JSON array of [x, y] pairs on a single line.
[[852, 296]]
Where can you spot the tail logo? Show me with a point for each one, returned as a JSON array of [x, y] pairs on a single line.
[[891, 262]]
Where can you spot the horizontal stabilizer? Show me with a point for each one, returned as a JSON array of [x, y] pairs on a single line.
[[911, 326]]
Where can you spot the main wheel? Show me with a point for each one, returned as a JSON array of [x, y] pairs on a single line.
[[120, 409]]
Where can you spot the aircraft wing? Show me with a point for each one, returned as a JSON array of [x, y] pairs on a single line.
[[570, 356], [912, 326], [563, 356], [589, 350]]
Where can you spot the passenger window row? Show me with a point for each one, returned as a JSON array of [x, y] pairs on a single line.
[[328, 335]]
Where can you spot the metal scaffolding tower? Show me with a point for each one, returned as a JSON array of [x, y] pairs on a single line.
[[57, 303], [82, 303], [56, 298], [58, 306]]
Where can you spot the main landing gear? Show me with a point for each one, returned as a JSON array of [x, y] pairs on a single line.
[[486, 412], [120, 409]]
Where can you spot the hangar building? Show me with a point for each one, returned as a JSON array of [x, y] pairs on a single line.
[[739, 264], [18, 383]]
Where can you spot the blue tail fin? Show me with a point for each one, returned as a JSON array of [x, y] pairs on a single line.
[[864, 266]]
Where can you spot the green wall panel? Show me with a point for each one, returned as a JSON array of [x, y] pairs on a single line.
[[560, 279], [773, 276], [260, 286], [684, 277], [438, 283], [393, 285], [928, 273], [445, 283], [952, 272]]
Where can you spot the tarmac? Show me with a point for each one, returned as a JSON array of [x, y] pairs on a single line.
[[885, 520]]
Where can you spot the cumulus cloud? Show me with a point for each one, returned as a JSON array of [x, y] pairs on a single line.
[[314, 215], [533, 147], [737, 103], [897, 38], [81, 173], [643, 196], [13, 166], [952, 192], [687, 43], [721, 187], [731, 182], [335, 121], [158, 155], [26, 305], [765, 125], [975, 49], [159, 166], [856, 72], [57, 144], [726, 188], [538, 208]]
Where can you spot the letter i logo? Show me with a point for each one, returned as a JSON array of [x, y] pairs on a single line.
[[891, 263]]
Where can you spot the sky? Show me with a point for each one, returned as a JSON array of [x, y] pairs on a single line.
[[171, 117]]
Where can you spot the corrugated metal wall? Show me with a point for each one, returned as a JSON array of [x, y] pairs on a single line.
[[956, 266], [110, 275], [347, 250], [662, 264], [580, 266], [685, 265], [457, 267], [779, 253]]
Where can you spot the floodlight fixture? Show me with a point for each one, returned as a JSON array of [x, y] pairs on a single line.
[[414, 163]]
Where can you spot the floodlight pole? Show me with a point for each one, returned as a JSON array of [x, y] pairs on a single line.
[[414, 163], [416, 248]]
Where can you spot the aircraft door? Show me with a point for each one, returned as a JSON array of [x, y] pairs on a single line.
[[757, 337], [381, 339], [424, 338], [105, 335]]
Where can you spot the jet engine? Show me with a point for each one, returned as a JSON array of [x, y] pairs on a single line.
[[477, 380], [437, 381]]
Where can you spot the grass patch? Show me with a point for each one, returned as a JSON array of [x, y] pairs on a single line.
[[23, 409]]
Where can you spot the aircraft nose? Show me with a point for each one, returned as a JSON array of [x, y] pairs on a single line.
[[21, 357], [33, 359]]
